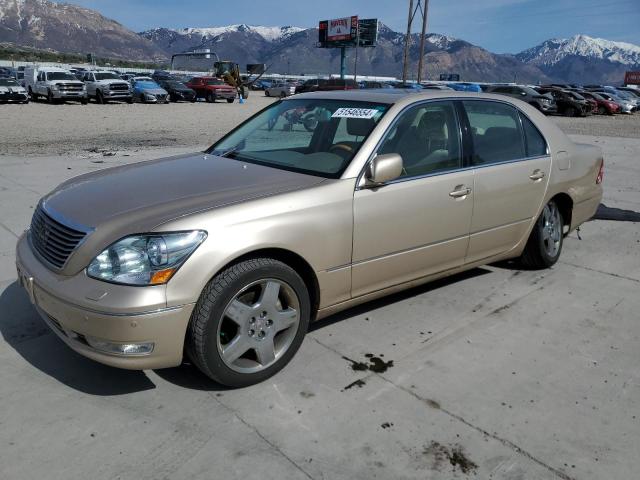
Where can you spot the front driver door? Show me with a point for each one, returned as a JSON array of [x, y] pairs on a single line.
[[418, 224]]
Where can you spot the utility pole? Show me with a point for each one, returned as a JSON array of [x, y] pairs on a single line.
[[422, 8], [355, 63], [343, 59], [423, 38], [407, 41]]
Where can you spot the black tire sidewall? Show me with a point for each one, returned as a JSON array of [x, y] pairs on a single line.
[[279, 271], [538, 242]]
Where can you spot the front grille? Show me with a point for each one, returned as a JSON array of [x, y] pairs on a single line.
[[119, 87], [53, 240], [70, 87]]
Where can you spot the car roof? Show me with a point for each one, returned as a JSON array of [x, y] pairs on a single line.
[[394, 95]]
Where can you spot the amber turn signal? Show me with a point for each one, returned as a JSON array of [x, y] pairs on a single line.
[[161, 276]]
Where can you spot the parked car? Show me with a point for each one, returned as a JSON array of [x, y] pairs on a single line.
[[211, 89], [280, 89], [107, 86], [228, 255], [310, 85], [435, 86], [568, 104], [337, 84], [178, 91], [145, 90], [625, 106], [604, 106], [55, 84], [633, 91], [159, 75], [543, 102], [408, 86], [465, 86], [373, 84], [12, 91], [260, 84]]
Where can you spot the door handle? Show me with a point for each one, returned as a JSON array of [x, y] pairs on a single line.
[[460, 191], [537, 175]]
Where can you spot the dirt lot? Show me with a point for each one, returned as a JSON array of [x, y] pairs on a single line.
[[42, 129], [497, 373]]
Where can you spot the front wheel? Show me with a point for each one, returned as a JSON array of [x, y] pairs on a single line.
[[211, 97], [545, 241], [249, 322]]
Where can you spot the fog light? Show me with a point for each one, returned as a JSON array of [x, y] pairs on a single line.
[[143, 348]]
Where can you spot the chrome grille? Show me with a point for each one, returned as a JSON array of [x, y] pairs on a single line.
[[53, 240], [119, 87]]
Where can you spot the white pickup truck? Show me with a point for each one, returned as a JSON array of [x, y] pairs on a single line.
[[107, 86], [55, 84]]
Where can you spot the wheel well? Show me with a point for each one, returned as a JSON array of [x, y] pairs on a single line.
[[565, 205], [295, 261]]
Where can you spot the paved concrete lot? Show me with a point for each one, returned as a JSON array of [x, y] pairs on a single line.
[[496, 373]]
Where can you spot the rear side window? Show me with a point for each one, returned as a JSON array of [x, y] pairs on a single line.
[[536, 144], [495, 131]]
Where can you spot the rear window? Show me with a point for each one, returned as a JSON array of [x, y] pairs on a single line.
[[495, 132]]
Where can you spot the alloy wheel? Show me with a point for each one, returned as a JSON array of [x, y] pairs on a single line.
[[258, 326], [551, 224]]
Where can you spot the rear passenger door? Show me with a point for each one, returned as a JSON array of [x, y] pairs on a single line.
[[511, 164]]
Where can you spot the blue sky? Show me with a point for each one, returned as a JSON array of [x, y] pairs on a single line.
[[498, 25]]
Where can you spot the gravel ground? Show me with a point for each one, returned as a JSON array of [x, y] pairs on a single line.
[[72, 129], [602, 125]]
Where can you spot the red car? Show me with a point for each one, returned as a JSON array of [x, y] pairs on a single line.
[[605, 107], [211, 89]]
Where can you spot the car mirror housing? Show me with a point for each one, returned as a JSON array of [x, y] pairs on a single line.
[[384, 168]]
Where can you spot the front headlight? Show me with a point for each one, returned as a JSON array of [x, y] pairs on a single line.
[[55, 86], [149, 259]]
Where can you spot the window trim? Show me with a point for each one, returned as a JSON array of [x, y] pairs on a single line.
[[466, 141]]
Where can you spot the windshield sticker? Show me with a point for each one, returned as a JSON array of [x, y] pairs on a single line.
[[355, 113]]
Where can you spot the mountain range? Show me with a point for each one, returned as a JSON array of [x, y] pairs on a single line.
[[292, 50]]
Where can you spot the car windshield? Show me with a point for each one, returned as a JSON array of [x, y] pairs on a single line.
[[314, 136], [215, 81], [530, 91], [60, 76], [576, 95], [8, 82], [107, 76]]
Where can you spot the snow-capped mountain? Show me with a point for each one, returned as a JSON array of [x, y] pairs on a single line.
[[555, 50], [268, 33], [69, 28], [583, 59]]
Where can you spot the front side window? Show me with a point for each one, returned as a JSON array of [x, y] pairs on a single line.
[[495, 132], [106, 76], [427, 138], [318, 137]]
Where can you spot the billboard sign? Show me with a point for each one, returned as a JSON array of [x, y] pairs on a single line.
[[449, 77], [632, 78], [342, 29], [345, 32]]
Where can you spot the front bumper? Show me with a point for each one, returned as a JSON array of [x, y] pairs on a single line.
[[68, 307], [224, 94], [69, 95], [13, 97]]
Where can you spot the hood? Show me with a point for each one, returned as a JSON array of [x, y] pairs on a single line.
[[136, 198], [73, 82], [12, 88], [151, 90]]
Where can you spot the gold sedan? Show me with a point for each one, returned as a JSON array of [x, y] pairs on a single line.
[[317, 203]]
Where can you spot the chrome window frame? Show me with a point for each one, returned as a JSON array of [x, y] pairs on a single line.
[[361, 182]]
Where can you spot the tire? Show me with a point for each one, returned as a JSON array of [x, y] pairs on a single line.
[[50, 98], [142, 100], [570, 112], [100, 98], [130, 100], [539, 253], [84, 101], [244, 284], [211, 97], [231, 100], [33, 95], [283, 95], [602, 110], [266, 93]]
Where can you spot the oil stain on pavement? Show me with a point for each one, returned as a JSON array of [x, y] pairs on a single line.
[[376, 364], [454, 455]]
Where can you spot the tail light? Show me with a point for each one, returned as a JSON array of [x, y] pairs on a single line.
[[600, 176]]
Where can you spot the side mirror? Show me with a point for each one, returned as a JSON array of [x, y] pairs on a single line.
[[384, 168]]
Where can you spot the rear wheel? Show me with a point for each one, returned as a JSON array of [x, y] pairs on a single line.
[[283, 95], [33, 95], [249, 322], [602, 110], [211, 97], [545, 241], [570, 112], [266, 93]]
